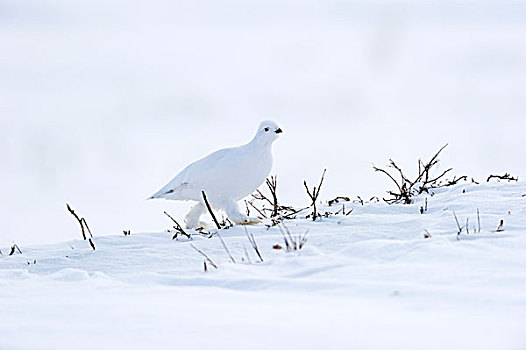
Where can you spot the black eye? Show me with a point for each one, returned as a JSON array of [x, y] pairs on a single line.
[[267, 129]]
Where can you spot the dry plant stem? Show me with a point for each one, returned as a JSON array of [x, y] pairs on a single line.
[[259, 211], [246, 254], [91, 243], [226, 248], [272, 185], [506, 176], [210, 210], [82, 223], [13, 249], [252, 241], [204, 255], [290, 242], [177, 227], [458, 225], [478, 219], [287, 244], [78, 219], [314, 195]]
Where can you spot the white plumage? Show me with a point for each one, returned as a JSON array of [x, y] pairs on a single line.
[[226, 176]]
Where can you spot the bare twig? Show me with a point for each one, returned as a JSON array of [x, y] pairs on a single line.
[[458, 225], [272, 185], [82, 223], [256, 208], [338, 199], [205, 256], [252, 241], [501, 224], [14, 248], [78, 219], [478, 219], [226, 248], [177, 227], [314, 195], [246, 254], [290, 242], [506, 176], [210, 210]]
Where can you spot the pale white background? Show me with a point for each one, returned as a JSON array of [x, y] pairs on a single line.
[[102, 102]]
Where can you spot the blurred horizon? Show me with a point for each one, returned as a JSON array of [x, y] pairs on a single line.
[[103, 102]]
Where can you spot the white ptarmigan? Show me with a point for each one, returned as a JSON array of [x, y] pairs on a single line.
[[226, 176]]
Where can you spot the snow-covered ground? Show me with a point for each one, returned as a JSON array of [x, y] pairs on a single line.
[[366, 280]]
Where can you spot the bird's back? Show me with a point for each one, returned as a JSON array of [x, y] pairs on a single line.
[[230, 173]]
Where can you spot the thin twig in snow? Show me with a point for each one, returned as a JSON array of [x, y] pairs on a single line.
[[210, 210], [205, 256]]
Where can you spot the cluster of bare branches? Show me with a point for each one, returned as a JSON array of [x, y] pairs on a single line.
[[83, 227], [268, 207], [506, 176], [407, 188]]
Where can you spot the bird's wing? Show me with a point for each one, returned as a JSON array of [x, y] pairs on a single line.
[[193, 174]]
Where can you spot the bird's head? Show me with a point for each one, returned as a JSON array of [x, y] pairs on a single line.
[[268, 131]]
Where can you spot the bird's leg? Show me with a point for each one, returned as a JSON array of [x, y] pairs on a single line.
[[235, 215], [192, 218]]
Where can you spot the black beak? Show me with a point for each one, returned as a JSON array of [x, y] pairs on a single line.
[[278, 131]]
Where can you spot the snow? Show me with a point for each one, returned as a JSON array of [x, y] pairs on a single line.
[[366, 280]]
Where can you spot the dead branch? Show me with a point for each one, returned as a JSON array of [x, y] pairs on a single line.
[[272, 185], [205, 256], [500, 228], [83, 223], [177, 227], [458, 225], [506, 176], [210, 210], [337, 200], [226, 248], [314, 195], [478, 219], [423, 182], [14, 248], [252, 241], [78, 219], [257, 209], [455, 180]]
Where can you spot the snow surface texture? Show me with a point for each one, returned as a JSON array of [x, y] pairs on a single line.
[[367, 280]]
